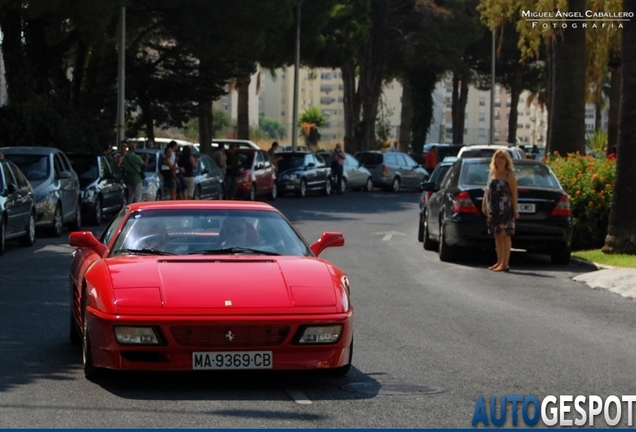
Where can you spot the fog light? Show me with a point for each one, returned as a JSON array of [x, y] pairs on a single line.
[[136, 335], [321, 334]]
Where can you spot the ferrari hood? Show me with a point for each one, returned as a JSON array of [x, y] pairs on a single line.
[[216, 283]]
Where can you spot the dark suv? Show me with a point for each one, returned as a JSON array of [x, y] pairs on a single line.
[[17, 206]]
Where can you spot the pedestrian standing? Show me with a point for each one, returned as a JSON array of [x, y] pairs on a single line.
[[337, 158], [272, 155], [133, 168], [189, 163], [430, 161], [501, 210], [232, 170], [220, 158]]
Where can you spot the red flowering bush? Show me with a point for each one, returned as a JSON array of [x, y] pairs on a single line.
[[589, 182]]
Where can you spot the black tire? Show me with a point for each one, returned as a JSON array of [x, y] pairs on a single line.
[[327, 189], [343, 185], [368, 187], [395, 185], [341, 371], [274, 193], [74, 333], [446, 252], [252, 193], [3, 240], [158, 196], [76, 224], [97, 214], [420, 230], [28, 238], [302, 189], [90, 371], [55, 230], [428, 244], [561, 257]]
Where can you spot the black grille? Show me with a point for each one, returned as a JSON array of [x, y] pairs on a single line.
[[229, 336]]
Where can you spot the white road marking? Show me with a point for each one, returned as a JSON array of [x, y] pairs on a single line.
[[388, 235], [298, 397]]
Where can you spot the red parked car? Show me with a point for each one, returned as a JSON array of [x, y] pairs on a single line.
[[208, 285], [258, 176]]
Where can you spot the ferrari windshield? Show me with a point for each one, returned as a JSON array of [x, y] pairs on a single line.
[[208, 232]]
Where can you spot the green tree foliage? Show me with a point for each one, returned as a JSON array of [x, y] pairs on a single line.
[[272, 129]]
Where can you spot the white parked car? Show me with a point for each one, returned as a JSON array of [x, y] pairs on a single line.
[[486, 151]]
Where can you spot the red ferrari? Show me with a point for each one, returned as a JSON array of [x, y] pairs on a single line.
[[203, 285]]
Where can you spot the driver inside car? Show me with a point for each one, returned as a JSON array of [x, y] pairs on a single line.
[[153, 235], [237, 232]]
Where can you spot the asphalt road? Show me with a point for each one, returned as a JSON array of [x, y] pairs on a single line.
[[430, 337]]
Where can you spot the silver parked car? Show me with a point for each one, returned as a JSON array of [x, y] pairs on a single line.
[[56, 185], [391, 170], [102, 183], [355, 176]]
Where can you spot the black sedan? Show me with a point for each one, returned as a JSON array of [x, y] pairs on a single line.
[[300, 172], [17, 206], [102, 185], [453, 218]]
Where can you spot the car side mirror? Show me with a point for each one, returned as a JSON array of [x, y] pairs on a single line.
[[64, 175], [88, 240], [12, 188], [310, 165], [327, 240], [109, 176]]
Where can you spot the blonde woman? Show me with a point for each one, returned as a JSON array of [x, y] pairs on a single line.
[[502, 206]]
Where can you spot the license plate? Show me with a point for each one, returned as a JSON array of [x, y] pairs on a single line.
[[526, 208], [225, 360]]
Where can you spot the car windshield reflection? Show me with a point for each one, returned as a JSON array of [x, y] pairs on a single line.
[[208, 232]]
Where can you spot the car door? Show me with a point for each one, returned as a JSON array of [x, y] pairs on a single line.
[[210, 177], [323, 168], [66, 187], [355, 176], [436, 201], [311, 172], [15, 202], [415, 172], [262, 172]]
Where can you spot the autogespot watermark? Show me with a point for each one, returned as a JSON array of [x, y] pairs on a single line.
[[561, 410], [576, 19]]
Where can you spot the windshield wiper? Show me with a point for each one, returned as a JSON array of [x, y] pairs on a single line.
[[233, 250], [144, 251]]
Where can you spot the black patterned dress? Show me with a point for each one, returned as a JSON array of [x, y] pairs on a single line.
[[500, 202]]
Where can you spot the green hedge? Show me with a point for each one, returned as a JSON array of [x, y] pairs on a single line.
[[589, 182]]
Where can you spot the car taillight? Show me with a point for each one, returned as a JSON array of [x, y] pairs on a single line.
[[427, 196], [463, 204], [563, 207], [385, 171]]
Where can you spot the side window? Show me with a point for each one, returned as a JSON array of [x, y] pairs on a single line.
[[310, 159], [110, 229], [351, 161], [66, 164], [20, 179], [390, 159], [446, 181], [103, 167], [57, 163], [410, 162], [8, 176]]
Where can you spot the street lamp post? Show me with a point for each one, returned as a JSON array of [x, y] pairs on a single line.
[[492, 90], [121, 79], [296, 80]]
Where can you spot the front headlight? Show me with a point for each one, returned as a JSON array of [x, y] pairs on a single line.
[[40, 198], [136, 335], [321, 334], [290, 177]]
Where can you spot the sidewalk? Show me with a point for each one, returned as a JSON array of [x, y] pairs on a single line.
[[621, 280]]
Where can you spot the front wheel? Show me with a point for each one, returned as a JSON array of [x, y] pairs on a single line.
[[252, 194], [302, 189], [327, 190], [426, 241], [90, 371], [274, 193], [28, 238], [395, 185], [56, 227], [76, 224], [97, 214], [2, 236]]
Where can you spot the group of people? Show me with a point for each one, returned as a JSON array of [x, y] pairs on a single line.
[[178, 173]]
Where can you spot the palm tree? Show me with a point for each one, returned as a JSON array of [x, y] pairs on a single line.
[[310, 122], [621, 229]]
